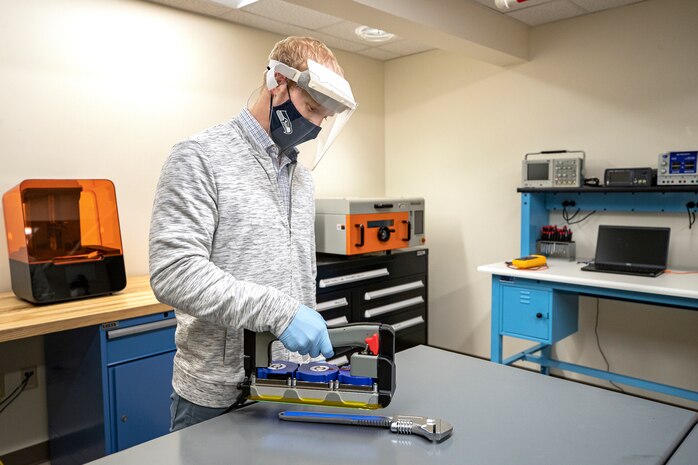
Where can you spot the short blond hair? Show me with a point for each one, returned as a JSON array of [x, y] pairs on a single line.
[[295, 51]]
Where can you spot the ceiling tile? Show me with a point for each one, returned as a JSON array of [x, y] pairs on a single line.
[[514, 6], [547, 12], [260, 22], [204, 7], [405, 47], [292, 14], [336, 42], [598, 5], [345, 30], [378, 54]]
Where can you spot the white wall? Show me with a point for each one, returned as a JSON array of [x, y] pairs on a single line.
[[104, 88], [621, 85]]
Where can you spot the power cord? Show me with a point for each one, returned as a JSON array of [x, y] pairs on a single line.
[[569, 218], [691, 214], [592, 182], [598, 344], [16, 392], [239, 403]]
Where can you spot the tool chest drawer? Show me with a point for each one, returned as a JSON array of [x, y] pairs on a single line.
[[410, 332], [339, 272], [537, 314], [334, 305], [383, 311], [395, 289], [390, 288]]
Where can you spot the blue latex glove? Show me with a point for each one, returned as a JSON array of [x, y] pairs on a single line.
[[307, 334]]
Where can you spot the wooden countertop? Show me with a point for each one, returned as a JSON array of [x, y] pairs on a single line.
[[20, 319]]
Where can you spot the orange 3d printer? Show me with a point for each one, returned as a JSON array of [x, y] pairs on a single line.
[[63, 239]]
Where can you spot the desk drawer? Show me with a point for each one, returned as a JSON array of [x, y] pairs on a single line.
[[540, 315], [526, 313], [153, 335]]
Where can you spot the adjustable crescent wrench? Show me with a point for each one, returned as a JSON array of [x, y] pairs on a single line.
[[433, 429]]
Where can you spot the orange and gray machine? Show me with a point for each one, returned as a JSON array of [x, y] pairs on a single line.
[[352, 226]]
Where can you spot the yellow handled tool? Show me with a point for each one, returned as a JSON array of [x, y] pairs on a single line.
[[529, 261]]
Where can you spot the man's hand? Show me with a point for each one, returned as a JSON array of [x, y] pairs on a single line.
[[307, 334]]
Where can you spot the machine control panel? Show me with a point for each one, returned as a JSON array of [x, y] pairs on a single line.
[[677, 168], [629, 177], [558, 169]]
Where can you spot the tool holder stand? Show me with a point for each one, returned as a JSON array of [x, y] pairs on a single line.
[[377, 362]]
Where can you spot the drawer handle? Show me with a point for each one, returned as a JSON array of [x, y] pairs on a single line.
[[539, 315], [342, 320], [393, 290], [337, 303], [393, 307], [352, 278], [138, 329], [408, 323], [361, 235]]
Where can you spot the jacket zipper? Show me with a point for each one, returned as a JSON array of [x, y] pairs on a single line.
[[290, 224]]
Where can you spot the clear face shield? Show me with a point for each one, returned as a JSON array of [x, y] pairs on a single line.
[[329, 90]]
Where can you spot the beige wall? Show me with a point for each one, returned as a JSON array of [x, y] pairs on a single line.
[[619, 84], [103, 89]]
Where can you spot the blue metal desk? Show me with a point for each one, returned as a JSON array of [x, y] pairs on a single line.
[[541, 306]]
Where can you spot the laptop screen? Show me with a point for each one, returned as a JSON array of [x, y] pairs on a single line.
[[632, 244]]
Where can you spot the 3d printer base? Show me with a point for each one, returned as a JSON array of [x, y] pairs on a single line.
[[45, 283]]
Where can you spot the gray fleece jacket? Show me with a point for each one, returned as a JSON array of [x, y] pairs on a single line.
[[226, 256]]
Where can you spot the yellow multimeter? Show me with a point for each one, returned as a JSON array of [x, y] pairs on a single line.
[[529, 261]]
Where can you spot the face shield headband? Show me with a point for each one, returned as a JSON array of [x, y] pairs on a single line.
[[329, 90]]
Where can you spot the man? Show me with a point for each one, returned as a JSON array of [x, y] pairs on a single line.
[[232, 243]]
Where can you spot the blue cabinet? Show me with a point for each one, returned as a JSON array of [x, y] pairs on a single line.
[[108, 386], [541, 315], [141, 391]]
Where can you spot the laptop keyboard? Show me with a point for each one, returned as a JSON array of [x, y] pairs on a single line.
[[626, 269]]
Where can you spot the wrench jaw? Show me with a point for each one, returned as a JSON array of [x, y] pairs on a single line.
[[433, 429], [440, 429]]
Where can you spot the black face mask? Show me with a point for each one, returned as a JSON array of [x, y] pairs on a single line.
[[288, 128]]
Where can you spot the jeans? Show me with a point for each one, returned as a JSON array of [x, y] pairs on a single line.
[[184, 413]]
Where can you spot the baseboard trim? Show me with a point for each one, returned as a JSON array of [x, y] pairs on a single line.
[[38, 453]]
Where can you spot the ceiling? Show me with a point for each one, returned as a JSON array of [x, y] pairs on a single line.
[[285, 18], [537, 12]]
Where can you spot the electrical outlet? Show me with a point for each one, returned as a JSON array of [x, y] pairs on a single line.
[[33, 380]]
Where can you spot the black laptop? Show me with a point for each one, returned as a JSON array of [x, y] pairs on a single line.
[[631, 250]]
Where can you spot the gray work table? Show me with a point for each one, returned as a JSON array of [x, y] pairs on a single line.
[[500, 415], [687, 453]]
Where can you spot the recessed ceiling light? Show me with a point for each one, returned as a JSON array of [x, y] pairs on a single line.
[[235, 3], [371, 34]]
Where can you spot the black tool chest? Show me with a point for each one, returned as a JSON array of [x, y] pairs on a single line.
[[387, 288]]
